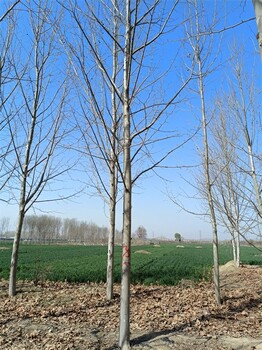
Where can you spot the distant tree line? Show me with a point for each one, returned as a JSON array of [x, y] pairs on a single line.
[[51, 229]]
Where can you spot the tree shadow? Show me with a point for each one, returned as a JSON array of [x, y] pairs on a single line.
[[229, 313]]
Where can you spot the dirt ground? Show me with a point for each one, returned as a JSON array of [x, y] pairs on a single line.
[[62, 316]]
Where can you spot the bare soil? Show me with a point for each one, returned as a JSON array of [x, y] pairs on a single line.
[[65, 316]]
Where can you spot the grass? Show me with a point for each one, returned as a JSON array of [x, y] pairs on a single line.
[[167, 264]]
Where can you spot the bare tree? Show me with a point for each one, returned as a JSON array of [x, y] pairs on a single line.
[[71, 229], [99, 124], [227, 180], [138, 134], [120, 49], [114, 153], [4, 225], [201, 50], [141, 233], [245, 107], [45, 228], [241, 150], [29, 228], [36, 117], [178, 237], [104, 76]]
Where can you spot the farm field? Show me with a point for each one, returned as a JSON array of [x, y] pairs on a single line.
[[60, 315], [167, 264]]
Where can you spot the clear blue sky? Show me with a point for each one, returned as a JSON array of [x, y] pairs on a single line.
[[152, 207]]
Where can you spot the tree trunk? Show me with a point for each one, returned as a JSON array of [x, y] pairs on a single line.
[[216, 267], [234, 246], [111, 236], [124, 331], [208, 180], [22, 204], [113, 165], [21, 215], [254, 175], [237, 248], [15, 250]]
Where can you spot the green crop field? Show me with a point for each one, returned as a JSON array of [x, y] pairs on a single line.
[[165, 264]]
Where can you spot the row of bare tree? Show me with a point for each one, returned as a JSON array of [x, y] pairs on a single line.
[[53, 229], [91, 87], [47, 228], [229, 182]]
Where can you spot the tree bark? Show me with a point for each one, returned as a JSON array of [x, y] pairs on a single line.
[[208, 180], [113, 166], [124, 331], [111, 236], [234, 246], [237, 249], [15, 251], [254, 175]]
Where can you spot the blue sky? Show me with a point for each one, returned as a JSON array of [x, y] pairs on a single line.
[[152, 206]]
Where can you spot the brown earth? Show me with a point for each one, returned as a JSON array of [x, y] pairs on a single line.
[[63, 316]]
